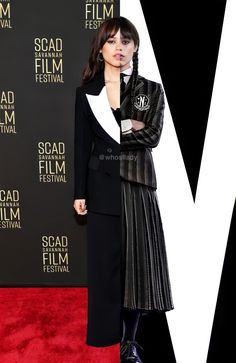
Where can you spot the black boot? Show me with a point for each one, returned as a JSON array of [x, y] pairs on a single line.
[[128, 352]]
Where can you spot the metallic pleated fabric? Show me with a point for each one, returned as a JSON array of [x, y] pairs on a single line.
[[144, 271]]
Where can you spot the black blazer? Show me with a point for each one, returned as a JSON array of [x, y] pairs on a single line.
[[136, 147], [97, 149]]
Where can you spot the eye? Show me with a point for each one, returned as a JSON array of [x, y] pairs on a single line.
[[125, 41], [110, 41]]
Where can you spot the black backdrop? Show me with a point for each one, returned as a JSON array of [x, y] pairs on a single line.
[[185, 38], [41, 240]]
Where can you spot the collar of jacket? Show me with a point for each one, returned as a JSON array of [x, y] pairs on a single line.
[[95, 86], [97, 98], [125, 97]]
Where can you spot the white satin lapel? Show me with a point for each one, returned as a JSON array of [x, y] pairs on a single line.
[[104, 115]]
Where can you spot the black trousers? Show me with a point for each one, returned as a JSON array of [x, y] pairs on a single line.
[[104, 279]]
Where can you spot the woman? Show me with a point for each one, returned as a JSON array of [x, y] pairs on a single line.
[[97, 185], [139, 111], [145, 278]]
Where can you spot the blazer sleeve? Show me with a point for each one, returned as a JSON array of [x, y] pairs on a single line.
[[149, 136], [82, 144]]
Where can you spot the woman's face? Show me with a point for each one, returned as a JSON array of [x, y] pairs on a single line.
[[118, 51]]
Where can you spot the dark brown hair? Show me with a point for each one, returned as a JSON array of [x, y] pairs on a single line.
[[108, 29]]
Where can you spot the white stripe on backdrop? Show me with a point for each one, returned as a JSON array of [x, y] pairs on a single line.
[[196, 233]]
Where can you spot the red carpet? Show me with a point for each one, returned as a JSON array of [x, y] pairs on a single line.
[[48, 325]]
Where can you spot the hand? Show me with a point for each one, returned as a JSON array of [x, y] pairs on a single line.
[[138, 125], [80, 206]]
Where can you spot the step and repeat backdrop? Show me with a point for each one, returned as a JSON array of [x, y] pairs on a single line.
[[44, 47]]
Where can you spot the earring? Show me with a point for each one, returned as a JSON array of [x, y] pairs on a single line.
[[100, 57]]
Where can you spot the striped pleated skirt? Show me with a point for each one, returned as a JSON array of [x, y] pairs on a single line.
[[144, 267]]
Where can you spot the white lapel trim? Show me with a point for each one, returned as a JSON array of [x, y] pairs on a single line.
[[103, 113]]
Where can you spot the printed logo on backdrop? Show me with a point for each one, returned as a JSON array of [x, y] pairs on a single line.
[[7, 113], [97, 11], [10, 216], [5, 14], [48, 60], [52, 162], [55, 254]]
